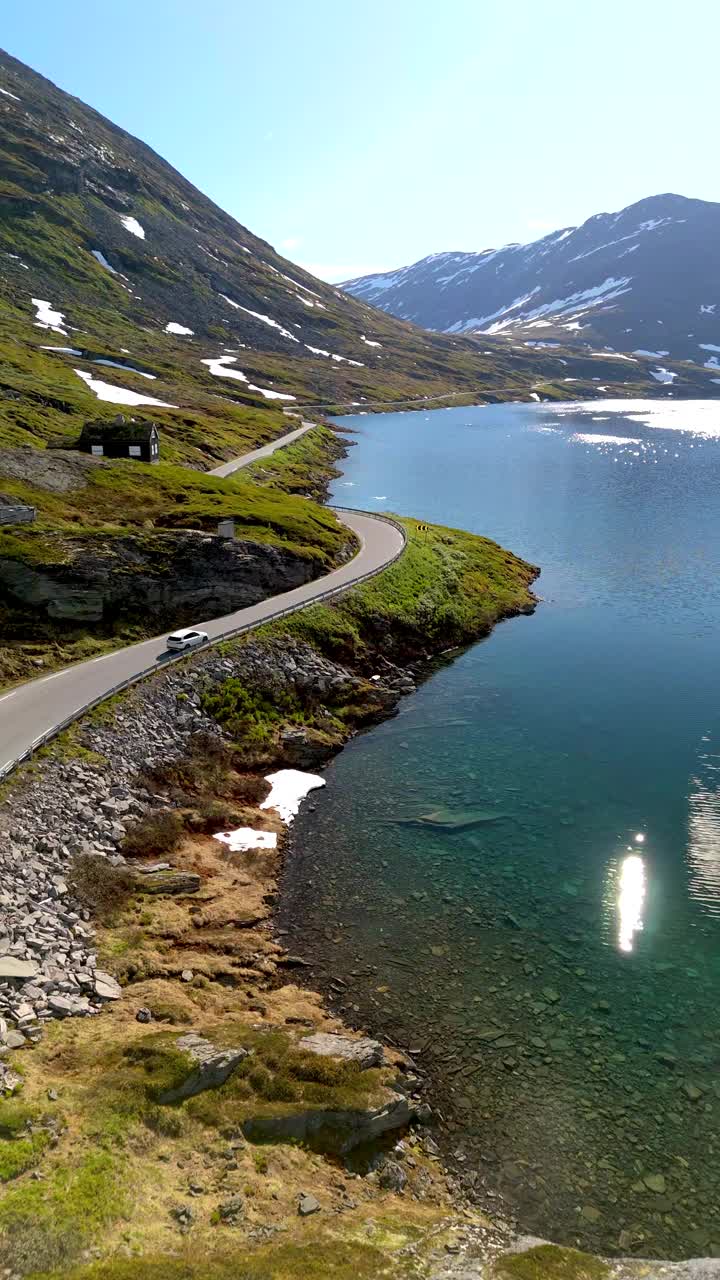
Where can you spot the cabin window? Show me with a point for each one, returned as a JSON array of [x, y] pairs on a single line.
[[97, 449], [134, 451]]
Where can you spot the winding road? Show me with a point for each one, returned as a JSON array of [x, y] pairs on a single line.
[[227, 468], [38, 709]]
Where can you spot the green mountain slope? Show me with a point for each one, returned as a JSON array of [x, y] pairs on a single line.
[[128, 256]]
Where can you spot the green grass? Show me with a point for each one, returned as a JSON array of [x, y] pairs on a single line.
[[306, 466], [123, 497], [46, 1225], [314, 1259], [550, 1262], [447, 589]]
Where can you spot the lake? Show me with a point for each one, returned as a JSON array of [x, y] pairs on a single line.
[[556, 970]]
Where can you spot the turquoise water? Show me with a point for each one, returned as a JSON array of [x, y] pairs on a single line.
[[556, 968]]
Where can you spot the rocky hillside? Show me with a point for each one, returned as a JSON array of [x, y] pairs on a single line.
[[645, 280]]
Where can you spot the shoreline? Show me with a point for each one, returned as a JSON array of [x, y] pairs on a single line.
[[274, 973]]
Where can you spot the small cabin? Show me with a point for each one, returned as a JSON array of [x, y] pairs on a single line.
[[121, 438]]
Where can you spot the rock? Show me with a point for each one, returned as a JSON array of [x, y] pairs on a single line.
[[143, 1015], [392, 1176], [232, 1211], [14, 967], [60, 1006], [52, 1095], [183, 1214], [692, 1091], [667, 1058], [307, 1205], [366, 1052], [550, 994], [166, 882], [445, 819], [212, 1067], [655, 1182], [336, 1131], [590, 1213], [15, 1040], [106, 987], [187, 975]]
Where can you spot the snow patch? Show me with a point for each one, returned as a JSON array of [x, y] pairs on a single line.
[[708, 346], [461, 326], [331, 355], [218, 367], [118, 395], [368, 343], [257, 315], [100, 256], [652, 355], [115, 364], [289, 788], [707, 308], [8, 94], [174, 327], [46, 317], [244, 838], [133, 226]]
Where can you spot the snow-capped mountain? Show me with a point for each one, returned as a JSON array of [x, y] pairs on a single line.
[[644, 280]]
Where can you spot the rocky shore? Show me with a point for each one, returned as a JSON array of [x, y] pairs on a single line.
[[85, 801]]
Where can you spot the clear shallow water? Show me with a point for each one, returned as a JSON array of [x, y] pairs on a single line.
[[558, 975]]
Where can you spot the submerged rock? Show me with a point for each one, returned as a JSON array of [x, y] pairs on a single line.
[[446, 819]]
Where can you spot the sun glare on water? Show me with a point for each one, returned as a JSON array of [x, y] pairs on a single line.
[[631, 897]]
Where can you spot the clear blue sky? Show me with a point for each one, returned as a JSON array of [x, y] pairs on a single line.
[[359, 135]]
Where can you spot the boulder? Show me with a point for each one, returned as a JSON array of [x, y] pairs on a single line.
[[366, 1053], [14, 967], [212, 1067], [168, 882], [392, 1176], [106, 987], [334, 1131]]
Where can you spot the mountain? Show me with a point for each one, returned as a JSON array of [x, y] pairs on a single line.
[[646, 279], [128, 262], [109, 255]]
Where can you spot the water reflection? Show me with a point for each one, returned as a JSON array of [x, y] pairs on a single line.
[[631, 897], [704, 832]]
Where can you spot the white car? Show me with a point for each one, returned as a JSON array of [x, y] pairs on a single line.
[[186, 638]]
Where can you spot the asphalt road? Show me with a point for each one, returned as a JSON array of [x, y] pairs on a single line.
[[38, 707], [227, 468]]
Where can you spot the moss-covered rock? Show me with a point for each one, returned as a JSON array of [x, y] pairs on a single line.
[[550, 1262]]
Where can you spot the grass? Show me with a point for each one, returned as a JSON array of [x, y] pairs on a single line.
[[550, 1262], [322, 1256], [306, 466], [448, 588], [46, 1225], [127, 497]]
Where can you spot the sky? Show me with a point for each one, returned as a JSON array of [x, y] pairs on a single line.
[[360, 135]]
